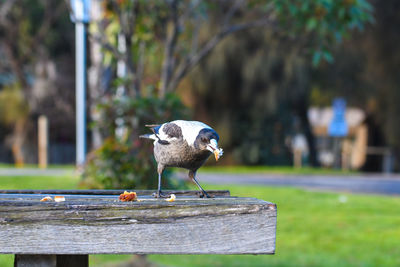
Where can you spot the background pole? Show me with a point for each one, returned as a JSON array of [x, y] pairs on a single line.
[[80, 60]]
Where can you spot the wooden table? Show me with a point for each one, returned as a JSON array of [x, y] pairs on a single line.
[[96, 222]]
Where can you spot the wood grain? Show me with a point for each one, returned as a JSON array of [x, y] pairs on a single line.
[[88, 224]]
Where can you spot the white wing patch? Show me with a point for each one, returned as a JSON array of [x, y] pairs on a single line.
[[190, 129]]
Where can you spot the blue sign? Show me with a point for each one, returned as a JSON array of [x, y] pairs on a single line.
[[80, 11], [338, 126]]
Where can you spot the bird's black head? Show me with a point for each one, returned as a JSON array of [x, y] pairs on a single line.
[[207, 140], [204, 138]]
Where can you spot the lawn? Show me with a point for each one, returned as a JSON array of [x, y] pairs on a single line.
[[314, 229], [39, 182]]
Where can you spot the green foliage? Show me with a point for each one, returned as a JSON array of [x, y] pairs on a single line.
[[124, 160], [323, 22], [117, 164], [13, 105], [322, 97]]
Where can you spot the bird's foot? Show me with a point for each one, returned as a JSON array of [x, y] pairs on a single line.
[[160, 194], [204, 194]]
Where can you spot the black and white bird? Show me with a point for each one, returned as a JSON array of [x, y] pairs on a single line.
[[183, 144]]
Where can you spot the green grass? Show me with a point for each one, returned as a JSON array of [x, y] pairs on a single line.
[[39, 182], [314, 229]]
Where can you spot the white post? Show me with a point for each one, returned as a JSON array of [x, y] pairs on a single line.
[[80, 80]]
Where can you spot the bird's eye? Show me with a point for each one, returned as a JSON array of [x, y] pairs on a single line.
[[204, 140]]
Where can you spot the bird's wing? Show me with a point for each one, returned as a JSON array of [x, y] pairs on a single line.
[[168, 132], [171, 130]]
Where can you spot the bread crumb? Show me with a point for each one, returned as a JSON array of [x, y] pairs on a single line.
[[59, 198], [128, 196], [47, 198], [171, 198]]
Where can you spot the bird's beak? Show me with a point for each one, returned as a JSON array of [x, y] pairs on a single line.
[[213, 148]]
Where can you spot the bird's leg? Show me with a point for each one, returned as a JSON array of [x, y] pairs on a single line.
[[160, 194], [192, 175]]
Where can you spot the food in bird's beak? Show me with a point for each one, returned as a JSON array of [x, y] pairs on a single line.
[[128, 196], [218, 153], [213, 147], [171, 198]]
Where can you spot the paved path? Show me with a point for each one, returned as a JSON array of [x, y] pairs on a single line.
[[366, 183]]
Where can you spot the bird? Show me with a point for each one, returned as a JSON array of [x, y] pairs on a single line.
[[183, 144]]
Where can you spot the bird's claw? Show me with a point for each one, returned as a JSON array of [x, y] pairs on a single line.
[[160, 194], [204, 194]]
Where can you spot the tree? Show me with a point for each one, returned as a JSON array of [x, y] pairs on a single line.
[[168, 35], [170, 30], [28, 44], [161, 42]]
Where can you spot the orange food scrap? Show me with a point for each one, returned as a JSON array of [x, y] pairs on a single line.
[[46, 199], [128, 196]]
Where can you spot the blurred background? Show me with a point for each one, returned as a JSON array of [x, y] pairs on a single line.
[[293, 88]]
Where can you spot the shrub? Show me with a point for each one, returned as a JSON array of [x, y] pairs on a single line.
[[124, 160]]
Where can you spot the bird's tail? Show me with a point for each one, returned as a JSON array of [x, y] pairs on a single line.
[[145, 136], [148, 136]]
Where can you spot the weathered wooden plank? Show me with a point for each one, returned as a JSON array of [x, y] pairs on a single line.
[[96, 192], [190, 225], [29, 260]]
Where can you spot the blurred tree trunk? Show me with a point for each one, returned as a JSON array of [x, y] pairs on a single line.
[[96, 77], [17, 141], [302, 111]]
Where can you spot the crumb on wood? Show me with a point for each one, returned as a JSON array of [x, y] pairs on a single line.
[[47, 198], [59, 198], [171, 198], [128, 196]]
